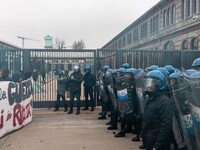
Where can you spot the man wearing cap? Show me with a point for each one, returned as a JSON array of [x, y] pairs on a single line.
[[76, 79]]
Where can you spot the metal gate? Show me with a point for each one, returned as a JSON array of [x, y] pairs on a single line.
[[49, 61]]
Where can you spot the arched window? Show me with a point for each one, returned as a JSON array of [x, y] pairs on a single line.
[[168, 17], [169, 46], [173, 14], [194, 44], [183, 9], [185, 45]]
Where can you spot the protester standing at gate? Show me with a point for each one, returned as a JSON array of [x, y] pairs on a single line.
[[89, 83], [62, 86], [76, 79]]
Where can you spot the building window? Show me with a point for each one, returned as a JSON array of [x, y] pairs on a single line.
[[194, 6], [143, 29], [183, 9], [124, 42], [119, 43], [173, 14], [169, 46], [157, 23], [185, 45], [164, 18], [135, 34], [151, 26], [129, 38], [188, 8], [194, 44], [168, 17]]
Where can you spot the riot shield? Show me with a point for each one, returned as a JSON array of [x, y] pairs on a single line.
[[182, 123], [125, 102], [139, 92], [112, 91], [193, 92]]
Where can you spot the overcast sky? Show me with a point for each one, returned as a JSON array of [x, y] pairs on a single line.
[[94, 21]]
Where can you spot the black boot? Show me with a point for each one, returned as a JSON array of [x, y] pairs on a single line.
[[102, 117], [120, 134], [142, 146], [109, 123], [135, 139], [111, 127]]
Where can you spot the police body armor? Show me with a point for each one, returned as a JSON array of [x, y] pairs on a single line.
[[193, 92], [124, 95], [183, 120]]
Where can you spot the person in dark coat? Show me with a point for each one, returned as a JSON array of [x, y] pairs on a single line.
[[35, 75], [89, 83], [76, 79], [5, 74], [62, 86], [158, 113]]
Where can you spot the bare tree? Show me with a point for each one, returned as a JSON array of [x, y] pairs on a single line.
[[60, 43], [78, 44]]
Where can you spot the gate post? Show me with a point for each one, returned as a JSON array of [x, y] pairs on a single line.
[[26, 60], [183, 63], [118, 60]]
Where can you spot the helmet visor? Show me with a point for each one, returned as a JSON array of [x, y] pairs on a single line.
[[172, 81], [149, 85]]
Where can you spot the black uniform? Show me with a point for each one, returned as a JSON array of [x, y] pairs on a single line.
[[89, 83], [75, 89], [157, 121]]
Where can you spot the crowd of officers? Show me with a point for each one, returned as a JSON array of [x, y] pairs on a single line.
[[143, 103]]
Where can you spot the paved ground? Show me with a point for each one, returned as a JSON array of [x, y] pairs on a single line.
[[59, 131]]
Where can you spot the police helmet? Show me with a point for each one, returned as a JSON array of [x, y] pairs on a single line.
[[196, 74], [122, 71], [131, 70], [164, 71], [155, 81], [170, 69], [196, 62], [152, 67], [106, 67], [87, 68], [126, 65], [173, 78], [189, 72], [108, 72], [114, 71]]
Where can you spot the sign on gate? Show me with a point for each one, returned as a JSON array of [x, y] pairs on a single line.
[[15, 105]]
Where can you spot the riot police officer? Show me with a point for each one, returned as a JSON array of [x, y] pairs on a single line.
[[104, 93], [89, 82], [158, 113], [121, 84]]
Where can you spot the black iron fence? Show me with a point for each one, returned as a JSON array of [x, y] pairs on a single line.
[[49, 61]]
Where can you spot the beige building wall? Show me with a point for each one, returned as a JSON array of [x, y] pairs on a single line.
[[182, 22]]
